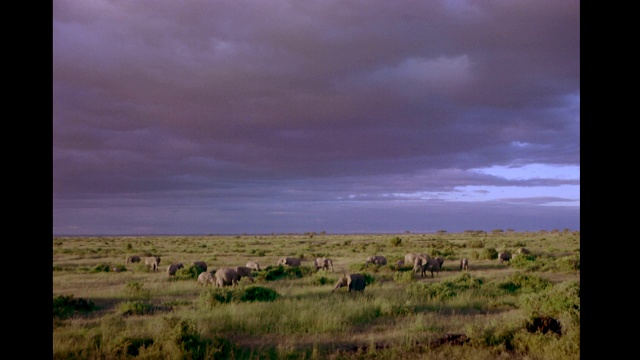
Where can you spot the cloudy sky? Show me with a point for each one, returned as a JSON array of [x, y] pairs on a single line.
[[260, 117]]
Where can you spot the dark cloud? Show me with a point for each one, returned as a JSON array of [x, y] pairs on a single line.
[[169, 107]]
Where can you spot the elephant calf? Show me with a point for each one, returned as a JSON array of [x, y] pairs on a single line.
[[253, 265], [206, 278], [355, 282], [173, 268], [464, 264], [133, 259], [323, 263], [289, 261], [152, 262], [504, 256], [376, 260]]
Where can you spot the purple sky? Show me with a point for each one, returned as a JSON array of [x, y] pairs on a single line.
[[259, 117]]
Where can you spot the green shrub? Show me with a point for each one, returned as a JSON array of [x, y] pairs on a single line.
[[183, 334], [287, 272], [475, 244], [403, 277], [396, 241], [102, 268], [561, 299], [212, 297], [65, 306], [189, 272], [135, 308], [134, 289], [489, 253], [569, 263], [525, 261], [524, 283], [254, 293]]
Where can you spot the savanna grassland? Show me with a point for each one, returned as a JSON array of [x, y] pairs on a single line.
[[527, 308]]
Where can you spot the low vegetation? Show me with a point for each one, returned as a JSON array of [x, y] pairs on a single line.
[[526, 308]]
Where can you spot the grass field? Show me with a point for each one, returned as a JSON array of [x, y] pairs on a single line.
[[528, 308]]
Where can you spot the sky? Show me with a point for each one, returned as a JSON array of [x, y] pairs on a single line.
[[260, 117]]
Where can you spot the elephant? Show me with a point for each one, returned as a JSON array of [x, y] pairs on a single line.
[[440, 261], [410, 258], [201, 264], [173, 268], [418, 263], [243, 271], [504, 256], [323, 263], [206, 278], [355, 282], [523, 251], [133, 259], [253, 265], [289, 261], [400, 263], [377, 260], [226, 277], [431, 265], [152, 262], [464, 264]]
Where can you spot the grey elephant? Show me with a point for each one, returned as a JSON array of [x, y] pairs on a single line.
[[400, 263], [243, 271], [201, 264], [133, 259], [152, 262], [464, 264], [253, 265], [226, 277], [431, 265], [173, 268], [289, 261], [376, 260], [523, 251], [504, 256], [206, 278], [440, 261], [323, 263], [355, 282]]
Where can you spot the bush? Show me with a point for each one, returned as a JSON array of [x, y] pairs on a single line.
[[561, 299], [102, 268], [190, 272], [215, 296], [183, 335], [65, 306], [489, 253], [135, 308], [475, 244], [520, 282], [403, 277], [287, 272], [396, 241]]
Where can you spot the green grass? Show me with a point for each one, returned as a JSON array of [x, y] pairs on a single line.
[[292, 313]]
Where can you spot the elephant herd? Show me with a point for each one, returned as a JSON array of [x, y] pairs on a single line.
[[230, 276]]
